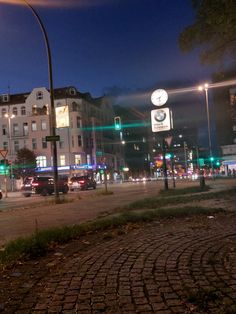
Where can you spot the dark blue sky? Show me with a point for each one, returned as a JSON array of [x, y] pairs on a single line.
[[131, 44]]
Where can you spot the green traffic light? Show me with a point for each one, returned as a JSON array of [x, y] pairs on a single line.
[[117, 123]]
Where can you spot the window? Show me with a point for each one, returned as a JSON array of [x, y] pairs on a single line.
[[34, 143], [5, 145], [44, 143], [16, 146], [41, 161], [88, 159], [78, 159], [15, 129], [61, 144], [25, 128], [79, 140], [4, 130], [15, 111], [4, 111], [62, 160], [78, 122], [72, 91], [34, 126], [39, 95], [23, 111], [43, 125]]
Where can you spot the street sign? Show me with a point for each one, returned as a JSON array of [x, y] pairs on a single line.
[[3, 153], [161, 120], [53, 138], [168, 140]]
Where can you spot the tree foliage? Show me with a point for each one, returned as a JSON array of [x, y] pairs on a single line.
[[214, 30], [25, 163]]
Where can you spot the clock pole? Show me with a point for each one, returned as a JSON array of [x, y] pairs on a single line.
[[164, 164]]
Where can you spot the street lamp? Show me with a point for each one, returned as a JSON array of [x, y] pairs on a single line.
[[53, 115], [9, 117], [205, 88]]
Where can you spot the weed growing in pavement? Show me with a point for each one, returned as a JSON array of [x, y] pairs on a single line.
[[43, 241], [204, 300]]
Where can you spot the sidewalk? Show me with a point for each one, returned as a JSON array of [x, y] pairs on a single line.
[[24, 221], [181, 265]]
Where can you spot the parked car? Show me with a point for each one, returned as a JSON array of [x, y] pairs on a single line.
[[82, 183], [42, 186]]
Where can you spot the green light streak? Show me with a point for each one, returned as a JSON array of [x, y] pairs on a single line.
[[112, 127]]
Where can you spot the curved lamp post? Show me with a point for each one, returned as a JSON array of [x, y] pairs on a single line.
[[53, 116]]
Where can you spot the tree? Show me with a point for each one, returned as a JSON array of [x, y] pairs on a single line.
[[25, 163], [214, 29]]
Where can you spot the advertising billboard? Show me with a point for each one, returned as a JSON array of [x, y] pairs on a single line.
[[62, 117]]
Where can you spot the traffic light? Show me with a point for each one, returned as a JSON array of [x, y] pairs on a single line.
[[4, 167], [117, 123], [212, 158]]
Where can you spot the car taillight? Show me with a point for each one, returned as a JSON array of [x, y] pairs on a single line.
[[35, 184], [81, 181]]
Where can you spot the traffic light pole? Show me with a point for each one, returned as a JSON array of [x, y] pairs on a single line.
[[164, 164], [5, 176]]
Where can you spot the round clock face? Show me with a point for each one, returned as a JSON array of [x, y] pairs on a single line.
[[159, 97], [160, 116]]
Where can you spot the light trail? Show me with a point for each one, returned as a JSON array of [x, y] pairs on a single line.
[[60, 3], [195, 88]]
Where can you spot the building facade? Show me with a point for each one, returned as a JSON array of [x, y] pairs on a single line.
[[84, 124]]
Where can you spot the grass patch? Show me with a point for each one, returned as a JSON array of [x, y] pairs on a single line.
[[158, 202], [189, 190], [104, 192], [43, 241]]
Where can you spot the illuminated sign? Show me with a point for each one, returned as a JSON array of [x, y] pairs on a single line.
[[62, 117]]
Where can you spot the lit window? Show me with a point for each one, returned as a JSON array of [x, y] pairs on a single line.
[[62, 160], [78, 159], [14, 111], [41, 161]]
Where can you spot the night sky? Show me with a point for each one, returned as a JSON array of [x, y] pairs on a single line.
[[128, 44]]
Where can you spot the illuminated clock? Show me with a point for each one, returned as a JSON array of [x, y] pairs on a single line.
[[159, 97]]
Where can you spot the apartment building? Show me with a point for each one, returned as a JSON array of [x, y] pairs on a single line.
[[84, 124]]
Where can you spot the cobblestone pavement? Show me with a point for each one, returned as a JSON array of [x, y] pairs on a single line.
[[185, 265]]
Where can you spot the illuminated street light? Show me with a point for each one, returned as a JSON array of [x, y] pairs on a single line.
[[9, 117], [205, 88]]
